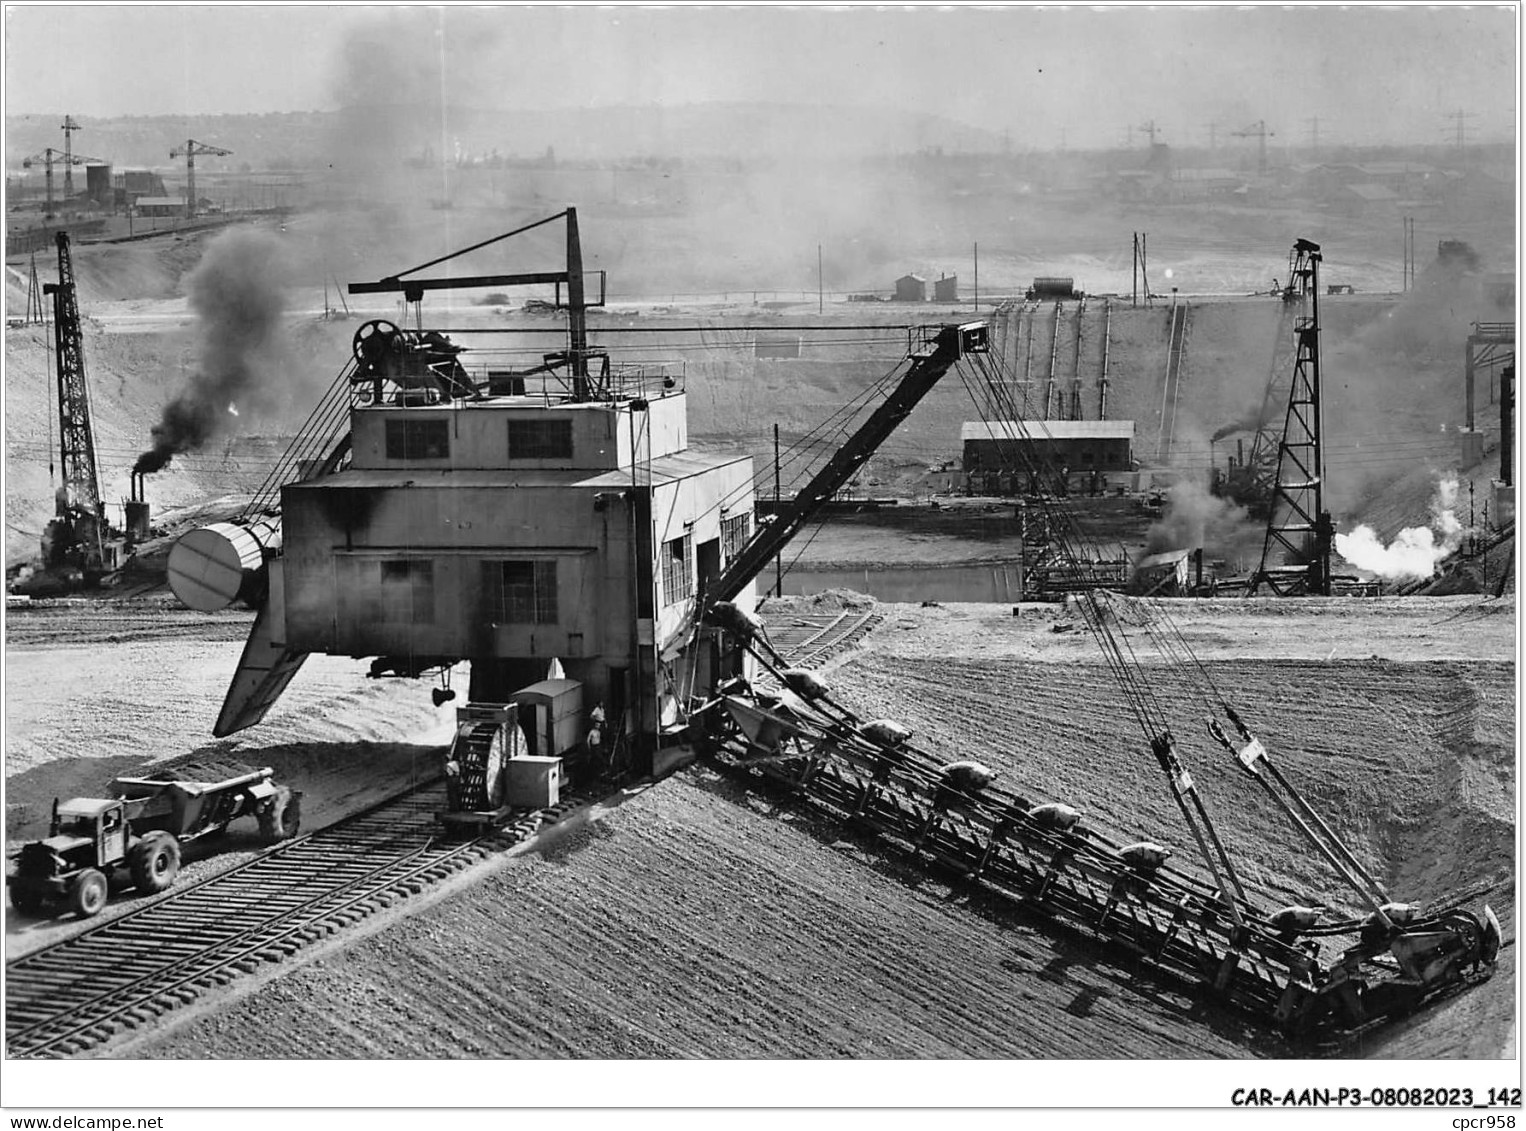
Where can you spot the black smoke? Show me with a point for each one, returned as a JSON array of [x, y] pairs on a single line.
[[237, 292]]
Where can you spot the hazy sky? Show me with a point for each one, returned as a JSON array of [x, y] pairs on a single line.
[[1369, 73]]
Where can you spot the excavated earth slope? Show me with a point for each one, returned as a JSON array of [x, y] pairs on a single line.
[[699, 919]]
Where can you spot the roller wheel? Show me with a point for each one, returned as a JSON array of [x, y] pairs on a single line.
[[374, 340], [87, 893], [25, 900], [281, 816], [479, 751], [154, 862]]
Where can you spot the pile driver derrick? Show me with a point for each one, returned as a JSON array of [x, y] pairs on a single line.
[[76, 537], [1251, 481], [190, 151], [1300, 534]]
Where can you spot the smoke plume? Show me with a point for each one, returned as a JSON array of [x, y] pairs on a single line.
[[1195, 518], [1416, 551], [237, 293]]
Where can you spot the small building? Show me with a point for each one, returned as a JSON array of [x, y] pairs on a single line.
[[160, 206], [911, 288], [1203, 184], [1012, 457], [1161, 575], [946, 288], [1361, 197], [139, 182]]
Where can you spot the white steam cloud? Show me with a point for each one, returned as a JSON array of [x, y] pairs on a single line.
[[1416, 551]]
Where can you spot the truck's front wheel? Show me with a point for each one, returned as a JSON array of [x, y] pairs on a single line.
[[154, 862], [87, 894]]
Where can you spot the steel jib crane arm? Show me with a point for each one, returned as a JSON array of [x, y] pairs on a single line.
[[928, 365]]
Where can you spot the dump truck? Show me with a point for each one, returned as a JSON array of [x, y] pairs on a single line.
[[141, 826]]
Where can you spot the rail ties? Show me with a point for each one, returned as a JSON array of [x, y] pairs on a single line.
[[75, 994], [809, 639]]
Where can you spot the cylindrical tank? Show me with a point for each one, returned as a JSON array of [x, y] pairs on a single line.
[[212, 566], [98, 184]]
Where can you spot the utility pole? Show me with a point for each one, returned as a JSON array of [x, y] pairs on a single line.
[[1409, 253], [820, 294], [977, 275], [1141, 266], [779, 557]]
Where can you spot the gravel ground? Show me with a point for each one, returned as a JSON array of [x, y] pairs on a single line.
[[697, 920]]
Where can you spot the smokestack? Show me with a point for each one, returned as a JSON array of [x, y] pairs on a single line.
[[137, 512]]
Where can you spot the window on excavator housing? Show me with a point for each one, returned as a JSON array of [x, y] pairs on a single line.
[[735, 531], [540, 439], [407, 591], [677, 577], [418, 439], [522, 592]]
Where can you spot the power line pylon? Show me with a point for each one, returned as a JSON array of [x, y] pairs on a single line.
[[35, 315]]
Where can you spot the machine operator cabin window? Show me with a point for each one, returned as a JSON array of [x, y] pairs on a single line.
[[418, 439], [735, 530], [677, 577], [521, 592], [540, 439]]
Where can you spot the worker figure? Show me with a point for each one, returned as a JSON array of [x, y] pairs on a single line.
[[452, 784], [1064, 484], [595, 738]]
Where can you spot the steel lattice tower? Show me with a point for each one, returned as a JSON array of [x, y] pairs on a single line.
[[1295, 559]]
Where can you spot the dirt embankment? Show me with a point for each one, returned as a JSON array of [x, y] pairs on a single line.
[[699, 920]]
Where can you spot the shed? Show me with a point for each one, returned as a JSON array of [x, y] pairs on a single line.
[[946, 289], [911, 288], [160, 206], [1161, 575], [1082, 446]]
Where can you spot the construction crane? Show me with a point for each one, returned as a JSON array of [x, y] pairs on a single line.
[[1259, 131], [75, 543], [69, 126], [190, 150], [50, 157]]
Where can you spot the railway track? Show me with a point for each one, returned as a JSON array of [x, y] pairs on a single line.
[[76, 994], [810, 639]]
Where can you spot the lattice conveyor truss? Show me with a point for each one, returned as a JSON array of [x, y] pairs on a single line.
[[1042, 856]]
